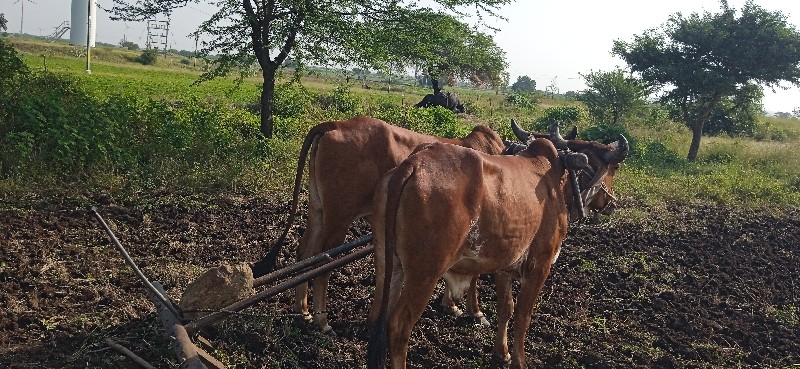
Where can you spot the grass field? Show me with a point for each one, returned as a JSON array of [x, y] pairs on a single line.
[[729, 170]]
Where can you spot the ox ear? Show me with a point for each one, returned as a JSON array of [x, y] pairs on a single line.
[[573, 134], [521, 134], [577, 161], [619, 152]]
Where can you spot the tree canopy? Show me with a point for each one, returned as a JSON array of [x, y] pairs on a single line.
[[374, 34], [609, 96], [698, 60], [3, 22], [524, 84]]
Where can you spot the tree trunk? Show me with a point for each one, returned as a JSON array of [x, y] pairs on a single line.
[[697, 123], [267, 101], [694, 147]]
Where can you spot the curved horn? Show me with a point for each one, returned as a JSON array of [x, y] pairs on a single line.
[[521, 134], [555, 136], [573, 134], [619, 153]]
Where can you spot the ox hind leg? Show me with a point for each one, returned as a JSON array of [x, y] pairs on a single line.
[[405, 310], [505, 306], [530, 290], [321, 234]]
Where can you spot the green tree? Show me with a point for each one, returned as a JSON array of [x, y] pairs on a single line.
[[700, 60], [3, 22], [130, 45], [736, 115], [524, 84], [610, 96], [440, 46], [243, 33]]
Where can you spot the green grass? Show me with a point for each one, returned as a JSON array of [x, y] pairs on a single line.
[[731, 171]]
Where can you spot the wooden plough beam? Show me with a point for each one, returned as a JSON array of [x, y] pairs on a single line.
[[179, 332]]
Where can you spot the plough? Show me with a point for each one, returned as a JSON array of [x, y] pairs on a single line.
[[179, 331]]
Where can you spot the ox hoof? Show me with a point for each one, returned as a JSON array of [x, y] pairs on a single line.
[[485, 322], [307, 317], [505, 359], [328, 331], [452, 310]]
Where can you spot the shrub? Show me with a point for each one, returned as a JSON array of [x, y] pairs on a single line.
[[522, 100], [10, 63], [657, 154], [436, 121], [292, 100], [565, 116], [148, 57], [341, 100]]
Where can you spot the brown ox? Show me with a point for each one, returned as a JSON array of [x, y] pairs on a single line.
[[347, 160], [455, 213]]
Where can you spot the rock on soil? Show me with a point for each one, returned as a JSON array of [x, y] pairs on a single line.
[[216, 288]]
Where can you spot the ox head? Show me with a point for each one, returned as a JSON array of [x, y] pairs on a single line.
[[596, 179], [512, 148]]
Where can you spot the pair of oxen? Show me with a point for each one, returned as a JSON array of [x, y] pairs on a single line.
[[452, 208]]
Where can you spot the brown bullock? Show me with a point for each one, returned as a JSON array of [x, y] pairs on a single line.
[[455, 213], [347, 160]]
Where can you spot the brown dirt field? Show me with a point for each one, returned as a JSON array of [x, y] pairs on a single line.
[[669, 287]]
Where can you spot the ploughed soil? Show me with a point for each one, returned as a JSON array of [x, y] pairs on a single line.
[[650, 287]]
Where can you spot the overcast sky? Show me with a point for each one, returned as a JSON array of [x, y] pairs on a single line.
[[549, 41]]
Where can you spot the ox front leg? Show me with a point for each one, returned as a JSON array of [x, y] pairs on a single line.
[[453, 294], [473, 307], [449, 299], [505, 305]]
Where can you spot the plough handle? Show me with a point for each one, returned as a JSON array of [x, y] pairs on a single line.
[[128, 260]]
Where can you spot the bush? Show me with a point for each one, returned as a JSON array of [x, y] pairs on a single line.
[[292, 100], [341, 100], [130, 45], [148, 57], [657, 154], [54, 133], [605, 133], [10, 63], [436, 121], [565, 116], [522, 100]]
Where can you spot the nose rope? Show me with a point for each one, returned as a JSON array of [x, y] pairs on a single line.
[[599, 186]]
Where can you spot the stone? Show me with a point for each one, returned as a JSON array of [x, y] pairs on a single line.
[[216, 288]]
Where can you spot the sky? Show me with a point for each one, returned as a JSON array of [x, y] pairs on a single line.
[[552, 42]]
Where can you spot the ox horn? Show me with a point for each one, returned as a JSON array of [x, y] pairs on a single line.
[[573, 134], [521, 134], [620, 151], [555, 136]]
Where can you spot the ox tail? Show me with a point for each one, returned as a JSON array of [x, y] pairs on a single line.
[[376, 349], [267, 263]]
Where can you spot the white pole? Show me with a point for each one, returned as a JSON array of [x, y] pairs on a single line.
[[88, 36]]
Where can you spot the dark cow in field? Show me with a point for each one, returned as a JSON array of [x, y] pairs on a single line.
[[447, 100], [347, 160], [455, 213]]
